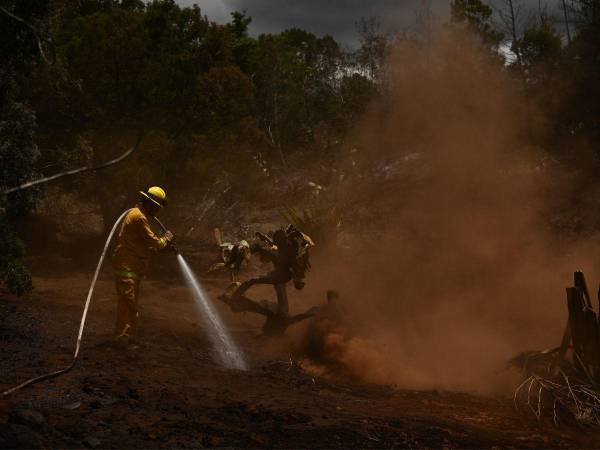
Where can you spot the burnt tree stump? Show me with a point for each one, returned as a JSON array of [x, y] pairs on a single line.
[[275, 324], [583, 328]]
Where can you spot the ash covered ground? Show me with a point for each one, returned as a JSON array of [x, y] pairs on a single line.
[[173, 393]]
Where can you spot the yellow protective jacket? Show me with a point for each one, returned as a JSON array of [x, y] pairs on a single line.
[[135, 245]]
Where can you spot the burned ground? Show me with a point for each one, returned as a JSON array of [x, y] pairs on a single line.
[[172, 393]]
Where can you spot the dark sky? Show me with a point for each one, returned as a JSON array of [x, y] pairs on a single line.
[[335, 17]]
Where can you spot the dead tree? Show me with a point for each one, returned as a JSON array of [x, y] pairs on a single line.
[[566, 16], [509, 14], [275, 324], [566, 379]]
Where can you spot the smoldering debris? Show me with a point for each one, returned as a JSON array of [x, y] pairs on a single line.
[[564, 381]]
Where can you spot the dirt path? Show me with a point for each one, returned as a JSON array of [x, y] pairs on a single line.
[[172, 394]]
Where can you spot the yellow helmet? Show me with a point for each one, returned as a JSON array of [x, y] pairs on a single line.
[[156, 195]]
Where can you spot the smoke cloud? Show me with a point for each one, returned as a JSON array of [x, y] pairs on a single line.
[[455, 268]]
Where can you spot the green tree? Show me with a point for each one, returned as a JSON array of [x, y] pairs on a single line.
[[374, 47], [243, 45], [239, 24], [296, 78], [18, 150], [106, 51], [580, 72], [215, 98], [539, 46], [476, 16]]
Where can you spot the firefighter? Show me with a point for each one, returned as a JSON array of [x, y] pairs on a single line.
[[287, 250], [136, 243]]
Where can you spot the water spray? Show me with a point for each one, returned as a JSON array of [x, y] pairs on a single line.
[[229, 353]]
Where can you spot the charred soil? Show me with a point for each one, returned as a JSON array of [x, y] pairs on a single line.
[[172, 393]]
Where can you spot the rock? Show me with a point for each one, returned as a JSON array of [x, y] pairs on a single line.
[[91, 442], [28, 417], [73, 405]]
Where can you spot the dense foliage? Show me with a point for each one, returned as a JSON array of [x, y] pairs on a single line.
[[18, 149], [223, 107]]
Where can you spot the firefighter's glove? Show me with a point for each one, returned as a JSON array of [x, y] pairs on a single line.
[[171, 242]]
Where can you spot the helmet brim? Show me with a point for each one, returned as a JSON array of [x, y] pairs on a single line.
[[143, 194]]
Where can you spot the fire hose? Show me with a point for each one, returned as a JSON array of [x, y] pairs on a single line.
[[86, 307], [56, 373]]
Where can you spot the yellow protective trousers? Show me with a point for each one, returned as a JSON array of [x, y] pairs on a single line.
[[128, 290]]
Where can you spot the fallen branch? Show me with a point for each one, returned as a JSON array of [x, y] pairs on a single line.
[[75, 171], [40, 40], [579, 401]]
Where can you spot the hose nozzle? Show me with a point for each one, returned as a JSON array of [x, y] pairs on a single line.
[[172, 245]]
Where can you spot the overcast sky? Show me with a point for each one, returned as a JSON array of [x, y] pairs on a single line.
[[334, 17]]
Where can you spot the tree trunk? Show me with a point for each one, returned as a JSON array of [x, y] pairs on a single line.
[[513, 29]]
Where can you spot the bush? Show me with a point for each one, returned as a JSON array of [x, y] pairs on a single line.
[[13, 273]]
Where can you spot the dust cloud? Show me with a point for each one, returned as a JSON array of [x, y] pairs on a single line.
[[455, 268]]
